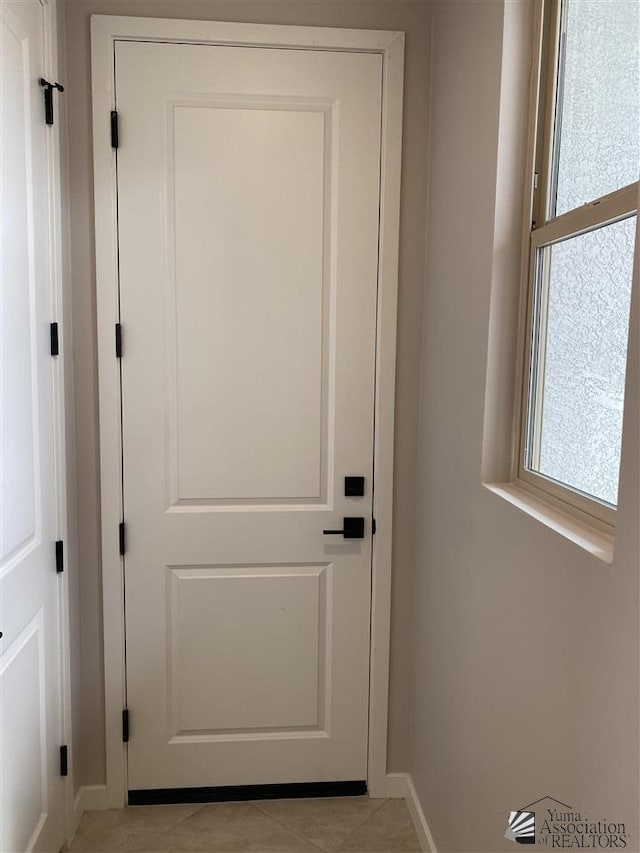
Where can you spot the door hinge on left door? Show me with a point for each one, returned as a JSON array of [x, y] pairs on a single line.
[[121, 541], [55, 339], [59, 556], [125, 725], [64, 761], [114, 129]]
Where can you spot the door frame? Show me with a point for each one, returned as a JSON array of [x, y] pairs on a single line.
[[105, 31], [62, 368]]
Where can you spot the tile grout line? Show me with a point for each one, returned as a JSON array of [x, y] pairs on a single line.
[[167, 829], [255, 804], [154, 834], [366, 820], [383, 800]]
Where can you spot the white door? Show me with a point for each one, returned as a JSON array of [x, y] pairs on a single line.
[[248, 193], [31, 814]]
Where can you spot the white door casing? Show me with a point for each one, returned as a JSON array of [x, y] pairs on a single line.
[[233, 545], [32, 647]]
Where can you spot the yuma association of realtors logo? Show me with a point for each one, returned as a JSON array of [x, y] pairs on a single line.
[[521, 827], [563, 829]]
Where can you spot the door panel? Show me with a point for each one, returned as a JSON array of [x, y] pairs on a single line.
[[24, 748], [238, 316], [31, 787], [21, 527], [248, 191], [277, 683]]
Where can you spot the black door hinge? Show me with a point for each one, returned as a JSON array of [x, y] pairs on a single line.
[[64, 761], [125, 726], [48, 98], [373, 527], [55, 341], [114, 129], [59, 556], [118, 340], [121, 538]]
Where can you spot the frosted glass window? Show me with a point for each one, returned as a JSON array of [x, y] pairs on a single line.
[[584, 293], [598, 103], [582, 244]]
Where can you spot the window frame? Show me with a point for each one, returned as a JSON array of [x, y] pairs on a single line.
[[545, 230]]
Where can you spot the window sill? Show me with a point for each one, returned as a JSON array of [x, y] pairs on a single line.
[[591, 539]]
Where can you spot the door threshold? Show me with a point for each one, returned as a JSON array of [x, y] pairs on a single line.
[[235, 793]]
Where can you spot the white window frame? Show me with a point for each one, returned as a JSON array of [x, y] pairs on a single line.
[[545, 231]]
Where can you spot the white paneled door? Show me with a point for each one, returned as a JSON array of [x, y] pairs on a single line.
[[248, 198], [31, 789]]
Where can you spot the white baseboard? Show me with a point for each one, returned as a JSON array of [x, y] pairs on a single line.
[[400, 785], [397, 786], [89, 798], [92, 798]]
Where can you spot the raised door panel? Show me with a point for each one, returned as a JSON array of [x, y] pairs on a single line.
[[251, 294], [257, 635], [24, 798], [18, 319]]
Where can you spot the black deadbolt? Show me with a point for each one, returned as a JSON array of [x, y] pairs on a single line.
[[354, 487]]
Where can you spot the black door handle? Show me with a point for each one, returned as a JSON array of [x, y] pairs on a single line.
[[353, 528]]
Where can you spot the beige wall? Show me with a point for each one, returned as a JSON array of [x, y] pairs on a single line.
[[526, 647], [413, 17]]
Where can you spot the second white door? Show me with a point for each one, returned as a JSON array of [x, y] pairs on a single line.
[[248, 198], [32, 789]]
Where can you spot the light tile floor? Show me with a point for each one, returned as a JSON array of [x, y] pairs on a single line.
[[353, 824]]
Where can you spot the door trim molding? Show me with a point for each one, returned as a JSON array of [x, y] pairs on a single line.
[[105, 30], [64, 436]]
